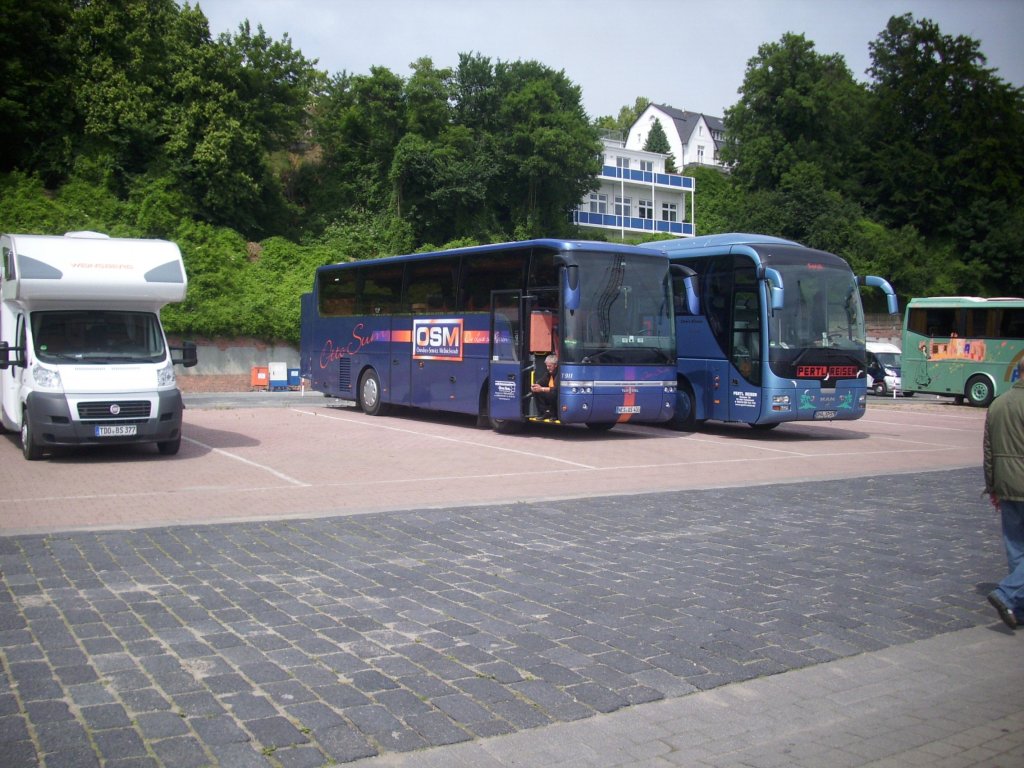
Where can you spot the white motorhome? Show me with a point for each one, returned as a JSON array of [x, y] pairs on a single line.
[[883, 362], [83, 356]]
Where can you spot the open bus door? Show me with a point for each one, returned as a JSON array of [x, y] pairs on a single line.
[[509, 366]]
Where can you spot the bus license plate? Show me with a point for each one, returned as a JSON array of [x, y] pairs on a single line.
[[825, 414], [121, 430], [627, 409]]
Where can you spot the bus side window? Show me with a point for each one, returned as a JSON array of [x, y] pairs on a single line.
[[1012, 324]]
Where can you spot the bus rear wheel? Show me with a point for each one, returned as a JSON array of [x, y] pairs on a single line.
[[979, 391], [370, 394]]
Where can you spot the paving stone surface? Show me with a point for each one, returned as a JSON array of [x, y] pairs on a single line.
[[307, 642]]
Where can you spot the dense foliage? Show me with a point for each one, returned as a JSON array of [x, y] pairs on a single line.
[[915, 175], [127, 117]]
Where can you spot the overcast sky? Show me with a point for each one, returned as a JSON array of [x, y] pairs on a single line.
[[691, 54]]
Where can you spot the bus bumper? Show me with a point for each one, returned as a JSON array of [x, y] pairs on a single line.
[[649, 402], [805, 403]]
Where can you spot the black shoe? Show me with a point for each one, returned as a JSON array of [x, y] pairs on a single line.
[[1005, 611]]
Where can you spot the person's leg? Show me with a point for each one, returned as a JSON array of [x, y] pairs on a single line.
[[1011, 588]]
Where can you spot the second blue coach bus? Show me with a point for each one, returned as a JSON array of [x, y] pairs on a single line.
[[466, 330], [779, 335]]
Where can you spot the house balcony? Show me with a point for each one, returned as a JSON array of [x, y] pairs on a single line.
[[668, 180], [632, 223]]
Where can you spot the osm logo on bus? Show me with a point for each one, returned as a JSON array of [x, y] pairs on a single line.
[[437, 339]]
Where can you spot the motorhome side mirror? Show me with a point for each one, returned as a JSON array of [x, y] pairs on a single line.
[[4, 351], [188, 356]]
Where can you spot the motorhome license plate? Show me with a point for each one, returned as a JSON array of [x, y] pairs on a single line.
[[121, 430], [825, 414]]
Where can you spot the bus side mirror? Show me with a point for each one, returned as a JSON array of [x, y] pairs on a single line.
[[775, 288], [890, 295], [689, 278], [188, 356], [571, 287]]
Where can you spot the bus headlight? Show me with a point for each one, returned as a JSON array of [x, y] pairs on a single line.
[[165, 376], [46, 378]]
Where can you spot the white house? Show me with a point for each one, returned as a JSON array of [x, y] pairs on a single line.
[[637, 196], [695, 139]]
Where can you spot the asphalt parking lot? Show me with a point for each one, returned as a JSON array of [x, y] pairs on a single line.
[[381, 586]]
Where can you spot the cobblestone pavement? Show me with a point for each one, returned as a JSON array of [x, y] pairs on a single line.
[[330, 640]]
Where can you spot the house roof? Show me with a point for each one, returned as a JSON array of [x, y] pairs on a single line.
[[685, 122]]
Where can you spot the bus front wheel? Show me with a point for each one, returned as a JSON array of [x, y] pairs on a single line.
[[979, 391], [506, 426], [370, 394], [685, 417]]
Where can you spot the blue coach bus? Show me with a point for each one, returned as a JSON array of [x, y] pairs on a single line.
[[779, 335], [467, 330]]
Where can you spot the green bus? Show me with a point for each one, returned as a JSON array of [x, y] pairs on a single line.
[[962, 346]]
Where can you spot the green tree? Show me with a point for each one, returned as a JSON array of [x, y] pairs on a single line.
[[657, 141], [547, 151], [628, 115], [946, 146], [233, 104], [119, 89], [358, 123], [428, 96], [716, 197], [36, 117], [442, 186], [795, 106]]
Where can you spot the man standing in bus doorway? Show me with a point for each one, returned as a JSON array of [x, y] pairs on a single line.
[[545, 388], [1004, 483]]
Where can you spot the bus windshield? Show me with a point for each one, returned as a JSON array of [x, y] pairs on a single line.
[[628, 312], [97, 336], [822, 311]]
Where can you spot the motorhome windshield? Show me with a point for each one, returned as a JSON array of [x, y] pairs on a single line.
[[889, 359], [97, 336]]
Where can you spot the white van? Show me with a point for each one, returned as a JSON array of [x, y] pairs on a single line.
[[883, 367], [83, 356]]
